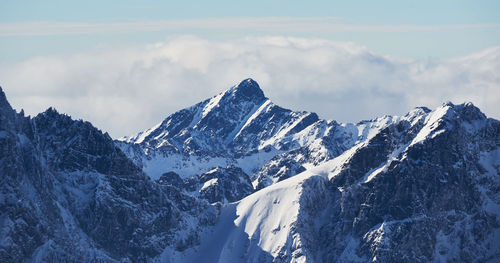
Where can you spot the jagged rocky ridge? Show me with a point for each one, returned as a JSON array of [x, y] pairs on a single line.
[[68, 194], [418, 188]]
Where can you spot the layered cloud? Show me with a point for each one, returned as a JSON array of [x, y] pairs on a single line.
[[126, 90]]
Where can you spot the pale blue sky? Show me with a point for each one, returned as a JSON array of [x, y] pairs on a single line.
[[126, 65], [425, 28], [367, 12]]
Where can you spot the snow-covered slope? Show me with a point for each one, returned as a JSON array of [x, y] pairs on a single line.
[[259, 228]]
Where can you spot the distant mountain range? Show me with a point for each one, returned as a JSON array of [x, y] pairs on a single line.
[[236, 178]]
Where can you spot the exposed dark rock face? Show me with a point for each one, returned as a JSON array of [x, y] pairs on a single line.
[[281, 167], [172, 179], [69, 194], [224, 185]]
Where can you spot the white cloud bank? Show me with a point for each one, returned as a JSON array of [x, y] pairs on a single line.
[[127, 90]]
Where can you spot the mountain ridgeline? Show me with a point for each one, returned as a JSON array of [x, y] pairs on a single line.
[[236, 178]]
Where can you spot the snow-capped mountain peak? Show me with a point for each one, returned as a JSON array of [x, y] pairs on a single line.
[[216, 115], [249, 90]]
